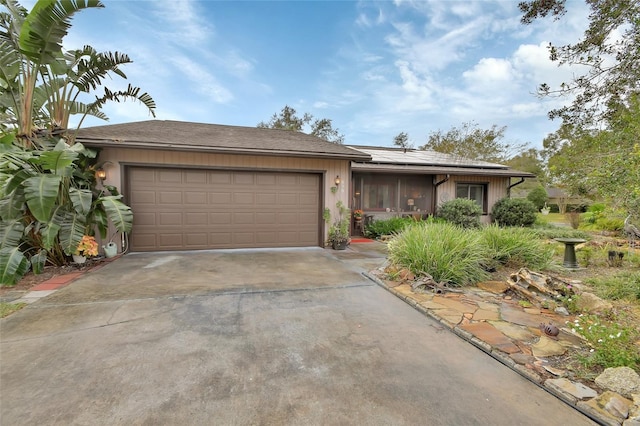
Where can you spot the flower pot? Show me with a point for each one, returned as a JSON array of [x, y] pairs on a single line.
[[110, 250], [78, 258], [339, 245]]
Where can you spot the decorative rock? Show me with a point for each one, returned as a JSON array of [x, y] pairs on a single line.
[[589, 302], [522, 359], [609, 404], [632, 422], [547, 347], [513, 331], [561, 310], [622, 380], [555, 371], [575, 389], [497, 287]]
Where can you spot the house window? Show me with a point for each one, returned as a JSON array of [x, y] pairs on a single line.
[[398, 193], [473, 191], [379, 193]]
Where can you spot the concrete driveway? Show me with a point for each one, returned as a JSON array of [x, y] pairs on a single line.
[[250, 337]]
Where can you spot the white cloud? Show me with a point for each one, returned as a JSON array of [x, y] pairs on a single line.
[[185, 21], [202, 81]]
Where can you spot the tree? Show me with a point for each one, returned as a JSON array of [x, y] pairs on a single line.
[[48, 193], [288, 119], [469, 141], [609, 49], [402, 140], [538, 197], [600, 164]]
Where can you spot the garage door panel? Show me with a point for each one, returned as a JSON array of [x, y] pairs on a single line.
[[192, 197], [266, 218], [170, 219], [266, 179], [243, 218], [195, 177], [143, 197], [288, 199], [220, 198], [195, 218], [243, 178], [196, 240], [308, 200], [243, 198], [266, 199], [170, 176], [244, 238], [191, 209]]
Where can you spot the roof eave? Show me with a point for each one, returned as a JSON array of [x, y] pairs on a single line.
[[107, 143]]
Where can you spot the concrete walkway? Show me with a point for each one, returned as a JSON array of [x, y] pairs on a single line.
[[250, 337]]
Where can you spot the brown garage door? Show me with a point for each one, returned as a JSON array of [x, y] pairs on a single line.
[[189, 209]]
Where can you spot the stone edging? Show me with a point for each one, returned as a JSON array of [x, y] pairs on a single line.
[[501, 357]]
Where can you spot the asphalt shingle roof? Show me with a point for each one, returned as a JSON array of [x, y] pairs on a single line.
[[186, 136]]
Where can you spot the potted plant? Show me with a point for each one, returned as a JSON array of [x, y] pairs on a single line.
[[358, 215], [339, 229], [87, 247], [545, 210]]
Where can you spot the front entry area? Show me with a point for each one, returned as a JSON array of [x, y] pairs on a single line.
[[197, 209]]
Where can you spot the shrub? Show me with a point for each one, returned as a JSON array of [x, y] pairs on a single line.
[[443, 250], [574, 219], [538, 196], [516, 246], [550, 232], [625, 285], [612, 342], [386, 226], [462, 212], [514, 212]]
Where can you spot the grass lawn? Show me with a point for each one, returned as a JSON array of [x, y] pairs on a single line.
[[553, 218]]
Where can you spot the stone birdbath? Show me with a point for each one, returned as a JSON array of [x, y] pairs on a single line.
[[570, 260]]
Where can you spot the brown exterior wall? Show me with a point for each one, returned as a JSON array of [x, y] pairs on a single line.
[[497, 189], [330, 168]]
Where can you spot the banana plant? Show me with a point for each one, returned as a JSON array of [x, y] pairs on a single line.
[[47, 206], [48, 193]]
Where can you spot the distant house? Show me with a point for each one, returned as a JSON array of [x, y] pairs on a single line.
[[562, 199], [198, 186]]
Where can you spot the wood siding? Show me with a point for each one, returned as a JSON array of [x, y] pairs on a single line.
[[117, 159], [496, 189]]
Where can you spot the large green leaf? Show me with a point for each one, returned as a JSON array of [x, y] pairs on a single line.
[[46, 25], [13, 265], [119, 213], [71, 230], [16, 180], [11, 233], [59, 161], [41, 193], [49, 234], [38, 261], [81, 199], [12, 205]]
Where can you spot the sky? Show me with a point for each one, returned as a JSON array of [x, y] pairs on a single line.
[[374, 68]]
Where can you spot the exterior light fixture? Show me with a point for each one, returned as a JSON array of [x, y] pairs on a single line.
[[101, 174], [338, 180]]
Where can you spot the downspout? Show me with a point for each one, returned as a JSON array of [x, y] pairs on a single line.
[[512, 185], [435, 192]]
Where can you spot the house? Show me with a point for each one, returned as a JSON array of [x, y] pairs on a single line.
[[197, 186], [557, 196], [398, 181]]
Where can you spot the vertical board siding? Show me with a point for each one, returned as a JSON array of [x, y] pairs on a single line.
[[119, 157], [496, 189]]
